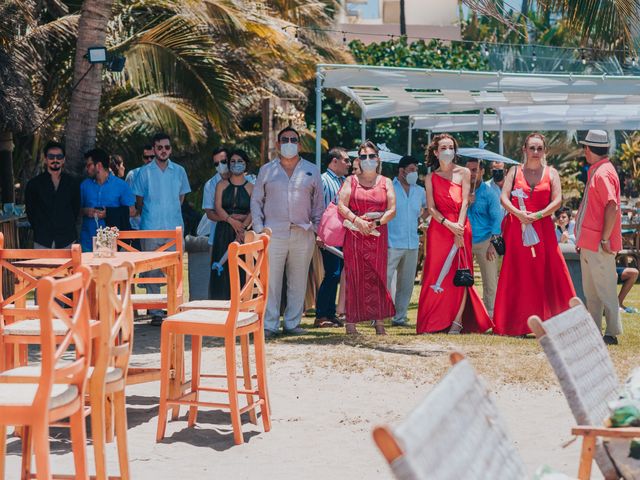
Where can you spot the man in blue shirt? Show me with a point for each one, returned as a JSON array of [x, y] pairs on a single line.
[[160, 188], [411, 204], [485, 215], [220, 157], [147, 157], [337, 170], [97, 194]]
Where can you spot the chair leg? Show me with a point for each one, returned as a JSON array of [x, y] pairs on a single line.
[[261, 372], [165, 352], [40, 437], [78, 444], [120, 410], [196, 353], [3, 448], [586, 457], [27, 438], [98, 433], [246, 373], [232, 385], [108, 418]]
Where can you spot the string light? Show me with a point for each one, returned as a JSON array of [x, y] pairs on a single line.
[[633, 62], [344, 39], [533, 56], [582, 57], [296, 33]]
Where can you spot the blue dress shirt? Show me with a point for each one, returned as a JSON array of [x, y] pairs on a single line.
[[114, 192], [485, 214], [160, 191], [403, 229], [331, 184]]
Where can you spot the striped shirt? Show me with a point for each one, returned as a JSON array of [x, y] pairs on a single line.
[[331, 184]]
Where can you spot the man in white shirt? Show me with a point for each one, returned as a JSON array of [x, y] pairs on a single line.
[[220, 157]]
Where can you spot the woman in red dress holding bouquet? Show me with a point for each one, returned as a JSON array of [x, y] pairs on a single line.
[[534, 279], [444, 306]]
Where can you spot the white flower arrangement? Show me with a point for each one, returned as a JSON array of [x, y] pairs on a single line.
[[105, 241]]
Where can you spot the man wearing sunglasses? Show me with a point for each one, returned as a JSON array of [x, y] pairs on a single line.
[[220, 157], [159, 188], [288, 198], [53, 202], [147, 157]]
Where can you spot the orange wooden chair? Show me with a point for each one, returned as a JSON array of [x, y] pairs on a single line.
[[174, 239], [19, 325], [108, 376], [56, 390], [245, 316]]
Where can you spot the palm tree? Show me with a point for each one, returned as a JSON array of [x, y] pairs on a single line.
[[80, 132]]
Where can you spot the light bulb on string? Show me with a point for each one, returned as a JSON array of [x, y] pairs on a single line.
[[634, 62], [296, 34], [439, 51], [584, 60], [344, 39]]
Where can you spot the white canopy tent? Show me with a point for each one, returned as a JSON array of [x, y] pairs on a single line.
[[383, 92]]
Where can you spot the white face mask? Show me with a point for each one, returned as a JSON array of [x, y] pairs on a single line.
[[222, 168], [447, 156], [289, 150], [412, 178], [369, 165]]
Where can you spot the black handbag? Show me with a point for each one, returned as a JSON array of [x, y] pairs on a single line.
[[463, 276], [498, 244]]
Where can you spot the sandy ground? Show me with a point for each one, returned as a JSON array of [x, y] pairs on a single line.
[[322, 417]]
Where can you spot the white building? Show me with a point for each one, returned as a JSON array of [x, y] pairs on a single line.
[[367, 20]]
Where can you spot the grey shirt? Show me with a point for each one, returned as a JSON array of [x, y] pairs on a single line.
[[280, 202]]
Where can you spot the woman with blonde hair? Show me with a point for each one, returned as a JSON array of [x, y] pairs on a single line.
[[443, 306], [534, 279], [368, 201]]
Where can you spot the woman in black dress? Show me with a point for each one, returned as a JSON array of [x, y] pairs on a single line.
[[232, 205]]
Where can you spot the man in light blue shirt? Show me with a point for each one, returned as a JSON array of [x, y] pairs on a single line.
[[160, 188], [402, 258], [147, 157], [497, 181], [485, 215], [97, 194], [220, 157], [288, 199]]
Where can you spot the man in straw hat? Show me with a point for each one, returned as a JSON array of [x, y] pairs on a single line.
[[598, 234]]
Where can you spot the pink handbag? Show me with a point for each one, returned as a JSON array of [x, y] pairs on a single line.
[[331, 231]]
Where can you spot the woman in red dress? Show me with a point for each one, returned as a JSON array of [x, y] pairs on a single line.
[[534, 280], [444, 306], [368, 201]]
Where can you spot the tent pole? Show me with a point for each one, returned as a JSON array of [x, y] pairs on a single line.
[[318, 116], [481, 129], [428, 137], [409, 139], [501, 136], [363, 126]]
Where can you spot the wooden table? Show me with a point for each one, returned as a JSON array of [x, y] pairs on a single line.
[[142, 262]]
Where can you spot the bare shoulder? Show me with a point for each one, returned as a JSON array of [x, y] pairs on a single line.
[[464, 171]]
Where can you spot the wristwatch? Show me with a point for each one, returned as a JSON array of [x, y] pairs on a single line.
[[604, 242], [377, 223]]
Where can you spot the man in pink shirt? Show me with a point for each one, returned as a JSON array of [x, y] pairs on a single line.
[[598, 235]]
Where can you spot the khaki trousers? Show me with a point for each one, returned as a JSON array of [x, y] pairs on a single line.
[[599, 282], [489, 272]]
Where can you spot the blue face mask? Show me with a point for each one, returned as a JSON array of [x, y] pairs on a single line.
[[238, 168]]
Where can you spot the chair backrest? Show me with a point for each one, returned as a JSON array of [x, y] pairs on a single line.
[[455, 432], [56, 367], [116, 320], [173, 239], [25, 281], [580, 359], [252, 259]]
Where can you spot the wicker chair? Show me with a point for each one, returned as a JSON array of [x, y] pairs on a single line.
[[456, 432], [574, 347]]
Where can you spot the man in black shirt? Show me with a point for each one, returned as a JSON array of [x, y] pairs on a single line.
[[53, 202]]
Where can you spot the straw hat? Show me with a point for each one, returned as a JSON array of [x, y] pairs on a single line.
[[596, 138]]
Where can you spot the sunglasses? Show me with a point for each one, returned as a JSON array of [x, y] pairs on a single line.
[[163, 147], [148, 157], [55, 156], [289, 140], [224, 162], [370, 156], [534, 149]]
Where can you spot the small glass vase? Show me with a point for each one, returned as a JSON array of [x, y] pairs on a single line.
[[104, 248]]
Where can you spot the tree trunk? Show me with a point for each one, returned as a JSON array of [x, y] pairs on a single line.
[[6, 167], [80, 131]]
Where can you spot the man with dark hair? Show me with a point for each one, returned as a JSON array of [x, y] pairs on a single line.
[[53, 202], [338, 165], [220, 157], [97, 194], [288, 199], [599, 234], [160, 188], [485, 216], [402, 257], [89, 166], [148, 156]]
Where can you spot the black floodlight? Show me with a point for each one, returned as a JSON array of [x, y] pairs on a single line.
[[97, 55], [116, 64]]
